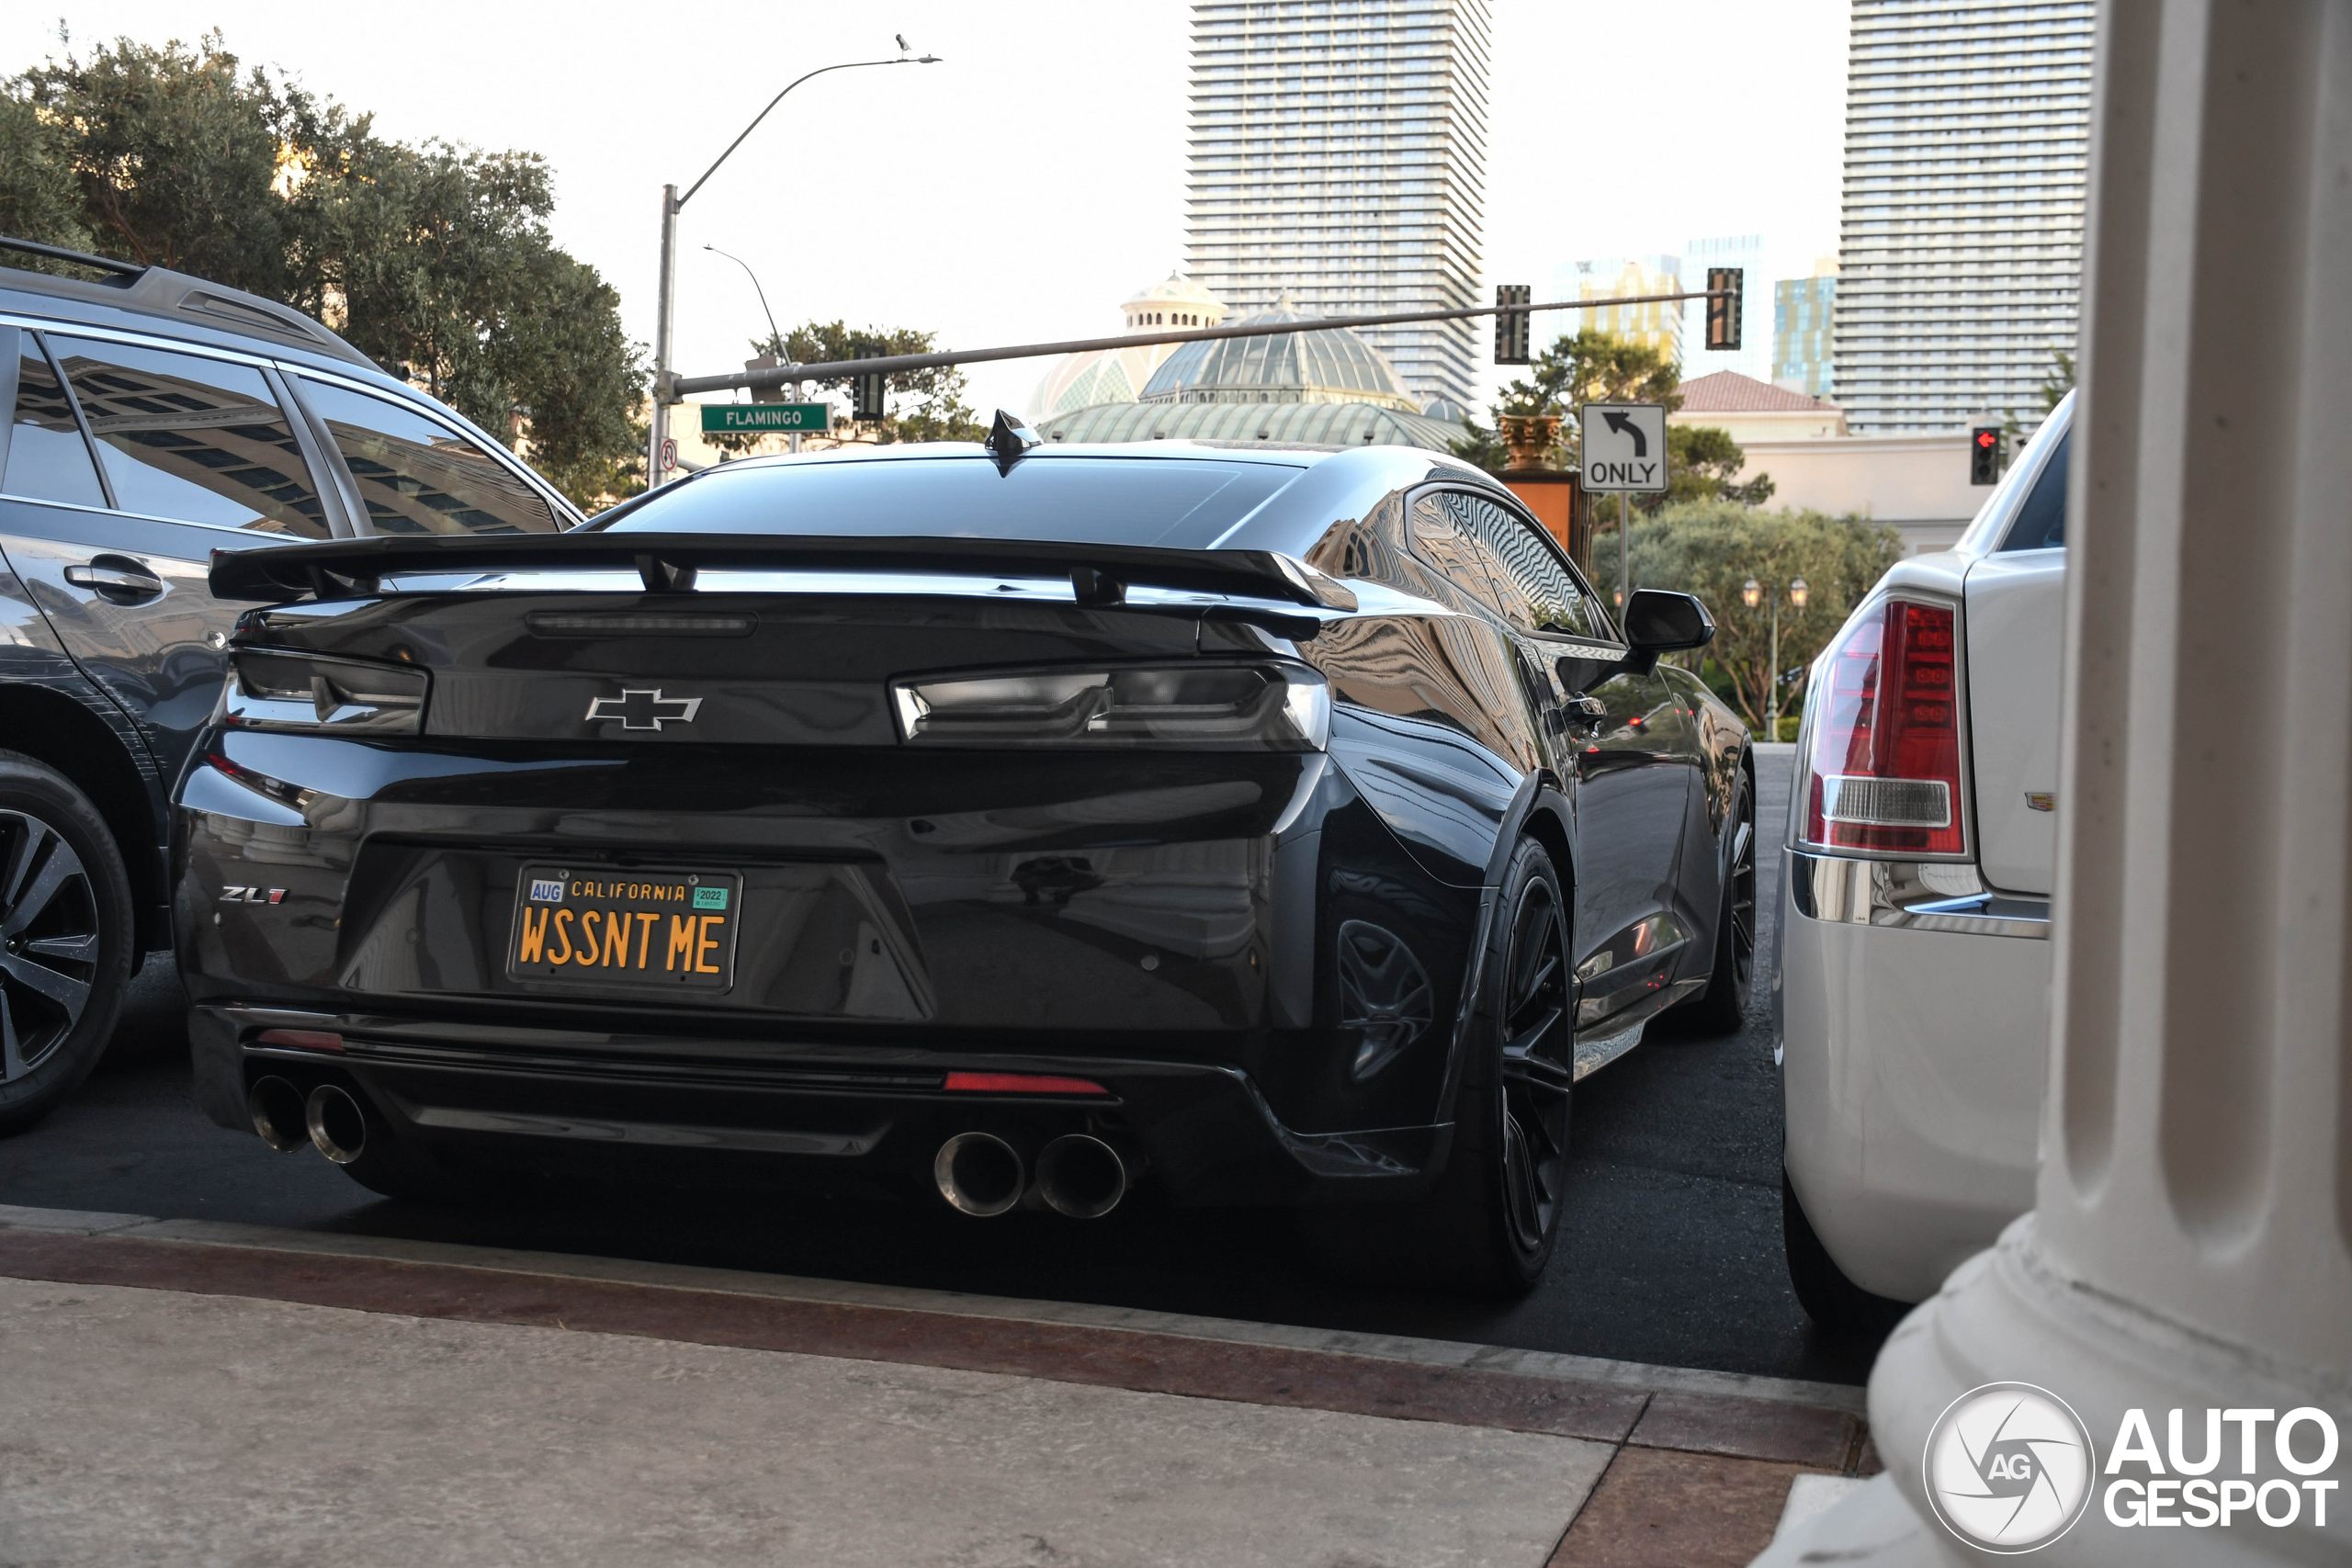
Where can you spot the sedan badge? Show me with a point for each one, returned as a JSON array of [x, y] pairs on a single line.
[[642, 709], [235, 895]]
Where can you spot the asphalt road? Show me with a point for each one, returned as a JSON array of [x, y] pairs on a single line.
[[1670, 1252]]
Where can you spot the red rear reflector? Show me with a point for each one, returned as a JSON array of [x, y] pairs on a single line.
[[1884, 773], [302, 1038], [1019, 1083]]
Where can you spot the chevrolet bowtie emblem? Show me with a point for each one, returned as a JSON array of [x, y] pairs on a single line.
[[642, 709]]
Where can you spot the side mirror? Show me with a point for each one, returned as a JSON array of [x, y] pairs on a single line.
[[1658, 621], [1661, 621]]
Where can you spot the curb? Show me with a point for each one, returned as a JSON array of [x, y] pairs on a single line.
[[1816, 1425]]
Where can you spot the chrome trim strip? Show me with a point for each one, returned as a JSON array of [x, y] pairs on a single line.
[[1929, 896]]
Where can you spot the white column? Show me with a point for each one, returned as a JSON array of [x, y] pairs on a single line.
[[2191, 1242]]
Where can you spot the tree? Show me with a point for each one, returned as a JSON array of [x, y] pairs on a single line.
[[2058, 380], [1712, 549], [434, 261], [1594, 367], [930, 403], [1703, 464], [38, 200]]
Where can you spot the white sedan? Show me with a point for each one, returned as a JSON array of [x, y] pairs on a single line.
[[1911, 977]]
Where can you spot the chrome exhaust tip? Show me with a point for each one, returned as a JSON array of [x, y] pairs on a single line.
[[1082, 1176], [276, 1107], [338, 1127], [980, 1174]]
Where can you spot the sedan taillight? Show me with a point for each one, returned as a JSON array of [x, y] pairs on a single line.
[[1883, 771]]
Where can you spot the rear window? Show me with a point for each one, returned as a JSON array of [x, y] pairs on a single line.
[[1175, 501], [418, 476], [2041, 522]]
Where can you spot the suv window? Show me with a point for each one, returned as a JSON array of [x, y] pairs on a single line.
[[2041, 522], [420, 476], [192, 439], [47, 460], [1536, 588]]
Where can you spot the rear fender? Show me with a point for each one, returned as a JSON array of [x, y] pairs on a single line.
[[1540, 811]]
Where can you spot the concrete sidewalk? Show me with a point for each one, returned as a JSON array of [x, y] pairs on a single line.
[[190, 1392]]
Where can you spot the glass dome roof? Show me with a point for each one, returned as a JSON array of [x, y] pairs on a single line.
[[1330, 367]]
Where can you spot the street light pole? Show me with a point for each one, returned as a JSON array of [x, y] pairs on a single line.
[[1752, 593], [776, 336], [792, 441], [673, 203]]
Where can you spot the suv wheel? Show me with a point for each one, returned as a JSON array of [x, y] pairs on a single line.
[[65, 938]]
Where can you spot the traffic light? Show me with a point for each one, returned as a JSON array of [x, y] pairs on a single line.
[[1510, 326], [1984, 454], [869, 409], [1724, 307]]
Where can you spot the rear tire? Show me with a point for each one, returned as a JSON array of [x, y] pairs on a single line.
[[65, 939], [1721, 1007], [1489, 1225], [1828, 1297]]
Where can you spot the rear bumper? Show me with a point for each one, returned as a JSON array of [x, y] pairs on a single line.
[[855, 1119], [1171, 907], [1912, 1061]]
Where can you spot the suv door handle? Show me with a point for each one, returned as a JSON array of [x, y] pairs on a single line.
[[118, 582]]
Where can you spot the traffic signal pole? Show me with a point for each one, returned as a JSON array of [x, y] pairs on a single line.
[[838, 369]]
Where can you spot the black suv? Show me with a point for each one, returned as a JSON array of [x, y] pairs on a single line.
[[154, 418]]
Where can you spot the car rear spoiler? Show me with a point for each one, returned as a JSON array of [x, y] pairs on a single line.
[[666, 563]]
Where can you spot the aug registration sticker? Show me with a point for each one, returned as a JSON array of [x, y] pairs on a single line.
[[603, 928]]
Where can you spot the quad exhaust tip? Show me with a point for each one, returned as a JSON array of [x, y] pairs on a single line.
[[980, 1174], [278, 1115], [1080, 1177], [338, 1128]]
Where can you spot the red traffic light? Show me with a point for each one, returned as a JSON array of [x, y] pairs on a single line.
[[1986, 438]]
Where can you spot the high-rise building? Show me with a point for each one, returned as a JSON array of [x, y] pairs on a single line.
[[1338, 156], [1754, 356], [1967, 132], [1621, 277], [1801, 312]]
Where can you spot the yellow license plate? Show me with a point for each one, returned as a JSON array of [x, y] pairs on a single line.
[[673, 929]]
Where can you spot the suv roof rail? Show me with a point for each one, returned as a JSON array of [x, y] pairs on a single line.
[[159, 291], [60, 252]]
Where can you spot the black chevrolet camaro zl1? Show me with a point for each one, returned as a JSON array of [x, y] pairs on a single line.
[[1021, 826]]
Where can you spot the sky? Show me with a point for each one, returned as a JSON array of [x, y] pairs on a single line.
[[1023, 187]]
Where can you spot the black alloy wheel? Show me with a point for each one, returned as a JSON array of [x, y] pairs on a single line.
[[1721, 1007], [1492, 1214], [65, 936], [1538, 1054]]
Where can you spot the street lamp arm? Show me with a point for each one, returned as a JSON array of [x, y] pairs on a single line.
[[763, 293], [844, 65]]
